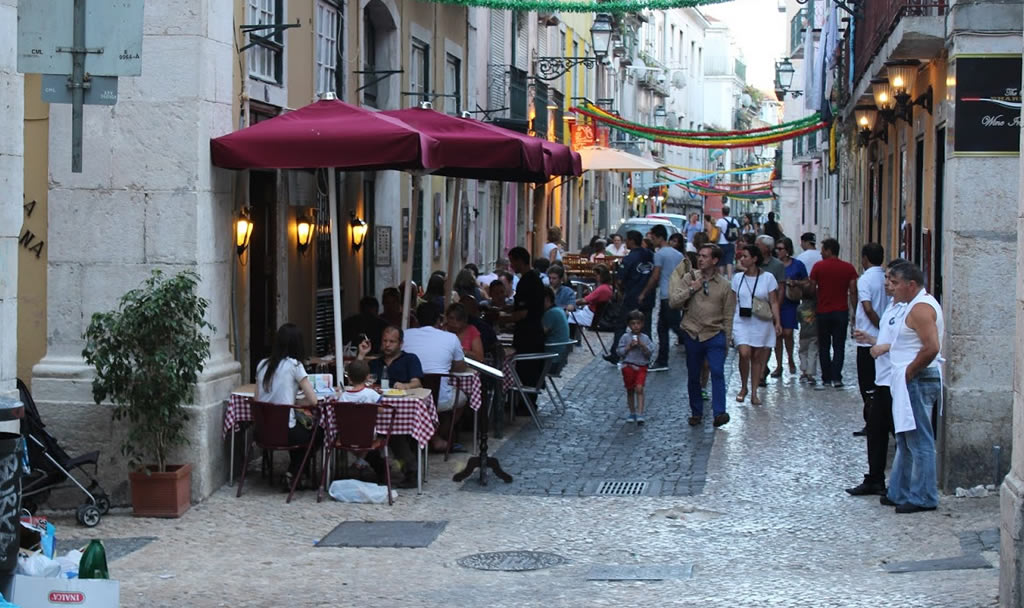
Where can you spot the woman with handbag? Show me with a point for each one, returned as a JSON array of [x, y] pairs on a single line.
[[756, 320], [796, 274]]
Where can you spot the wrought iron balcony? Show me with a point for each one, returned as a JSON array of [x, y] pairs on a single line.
[[876, 20]]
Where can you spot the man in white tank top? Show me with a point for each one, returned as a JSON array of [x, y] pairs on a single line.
[[916, 385]]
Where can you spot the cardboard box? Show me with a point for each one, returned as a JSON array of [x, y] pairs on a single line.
[[46, 592]]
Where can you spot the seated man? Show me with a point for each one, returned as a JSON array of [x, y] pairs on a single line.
[[404, 369], [439, 352], [556, 330], [367, 322], [391, 302]]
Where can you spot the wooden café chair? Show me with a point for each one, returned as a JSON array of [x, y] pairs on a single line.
[[357, 434], [270, 434]]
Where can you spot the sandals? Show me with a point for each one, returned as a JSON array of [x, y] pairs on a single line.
[[778, 372], [741, 395], [754, 399]]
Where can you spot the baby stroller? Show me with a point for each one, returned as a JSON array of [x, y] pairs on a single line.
[[50, 467]]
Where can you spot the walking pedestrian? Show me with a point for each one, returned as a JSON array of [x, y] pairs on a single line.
[[835, 284], [527, 314], [755, 322], [778, 270], [728, 233], [666, 259], [772, 228], [710, 303], [795, 274], [880, 413], [810, 254], [634, 273], [693, 227], [916, 385], [808, 343], [871, 303], [634, 348]]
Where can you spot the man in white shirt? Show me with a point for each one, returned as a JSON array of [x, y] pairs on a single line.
[[871, 303], [439, 352], [728, 234], [485, 280], [810, 255]]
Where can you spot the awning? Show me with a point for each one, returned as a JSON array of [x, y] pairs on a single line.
[[610, 159]]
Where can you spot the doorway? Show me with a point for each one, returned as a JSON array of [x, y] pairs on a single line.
[[369, 213], [262, 256], [918, 199]]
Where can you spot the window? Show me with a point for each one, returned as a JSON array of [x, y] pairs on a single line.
[[328, 45], [268, 47], [369, 59], [452, 84], [419, 73]]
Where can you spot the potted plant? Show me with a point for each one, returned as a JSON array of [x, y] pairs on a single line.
[[148, 355]]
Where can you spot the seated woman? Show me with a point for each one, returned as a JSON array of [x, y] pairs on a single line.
[[583, 312], [278, 379], [457, 322]]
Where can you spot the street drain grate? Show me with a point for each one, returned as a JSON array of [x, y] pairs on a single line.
[[622, 488], [511, 561]]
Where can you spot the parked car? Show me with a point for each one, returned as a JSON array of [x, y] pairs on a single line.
[[679, 221], [644, 225]]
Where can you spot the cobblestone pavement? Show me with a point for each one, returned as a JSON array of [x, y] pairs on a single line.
[[771, 527], [592, 442]]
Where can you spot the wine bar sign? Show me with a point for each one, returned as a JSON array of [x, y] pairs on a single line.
[[988, 105]]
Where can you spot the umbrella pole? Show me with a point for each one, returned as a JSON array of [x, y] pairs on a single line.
[[339, 353], [413, 207], [460, 185]]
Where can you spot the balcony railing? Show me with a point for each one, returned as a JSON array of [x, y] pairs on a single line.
[[796, 29], [878, 19]]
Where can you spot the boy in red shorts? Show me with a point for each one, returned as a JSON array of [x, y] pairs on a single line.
[[634, 350]]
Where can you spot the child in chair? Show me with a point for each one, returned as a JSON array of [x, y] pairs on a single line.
[[634, 350]]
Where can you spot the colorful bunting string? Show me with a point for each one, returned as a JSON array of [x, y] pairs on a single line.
[[582, 6], [706, 139]]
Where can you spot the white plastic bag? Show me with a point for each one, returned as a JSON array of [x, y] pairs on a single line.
[[37, 564], [69, 563], [353, 490]]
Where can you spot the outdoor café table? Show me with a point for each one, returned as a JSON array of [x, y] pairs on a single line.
[[415, 415]]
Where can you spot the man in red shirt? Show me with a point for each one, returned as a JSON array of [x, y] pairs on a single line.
[[835, 282]]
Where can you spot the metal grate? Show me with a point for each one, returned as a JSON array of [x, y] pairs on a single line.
[[622, 488]]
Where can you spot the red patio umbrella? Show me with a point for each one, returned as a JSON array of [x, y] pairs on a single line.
[[327, 134], [559, 158]]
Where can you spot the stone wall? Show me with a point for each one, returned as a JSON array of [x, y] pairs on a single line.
[[147, 198], [11, 180]]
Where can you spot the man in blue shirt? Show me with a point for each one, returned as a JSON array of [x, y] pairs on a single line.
[[634, 274], [666, 258], [404, 369]]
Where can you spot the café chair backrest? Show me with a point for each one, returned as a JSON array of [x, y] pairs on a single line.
[[357, 423], [270, 424], [432, 382]]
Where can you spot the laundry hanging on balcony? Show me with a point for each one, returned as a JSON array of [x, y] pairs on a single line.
[[582, 6], [706, 139]]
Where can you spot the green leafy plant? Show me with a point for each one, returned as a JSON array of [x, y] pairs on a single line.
[[148, 355]]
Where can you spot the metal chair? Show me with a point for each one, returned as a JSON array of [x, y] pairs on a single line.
[[556, 372], [594, 327], [357, 433], [270, 433], [546, 360]]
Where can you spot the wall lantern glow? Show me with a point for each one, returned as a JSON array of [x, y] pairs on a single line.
[[359, 228], [305, 226], [243, 231]]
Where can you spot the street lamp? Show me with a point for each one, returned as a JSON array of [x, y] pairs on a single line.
[[865, 117], [784, 72], [901, 76], [550, 68]]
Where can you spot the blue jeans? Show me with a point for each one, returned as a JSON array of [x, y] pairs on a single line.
[[832, 328], [713, 349], [912, 479], [668, 318]]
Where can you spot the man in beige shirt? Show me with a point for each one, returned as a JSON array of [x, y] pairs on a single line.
[[709, 303]]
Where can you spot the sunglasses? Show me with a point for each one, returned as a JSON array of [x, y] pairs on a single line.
[[705, 288]]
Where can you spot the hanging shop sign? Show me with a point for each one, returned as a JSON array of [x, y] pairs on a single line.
[[987, 112], [583, 135]]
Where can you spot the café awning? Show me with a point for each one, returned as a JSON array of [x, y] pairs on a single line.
[[610, 159]]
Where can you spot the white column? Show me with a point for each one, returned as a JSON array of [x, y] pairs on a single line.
[[12, 148], [147, 198]]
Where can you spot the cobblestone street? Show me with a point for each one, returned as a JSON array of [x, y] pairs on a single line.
[[756, 508]]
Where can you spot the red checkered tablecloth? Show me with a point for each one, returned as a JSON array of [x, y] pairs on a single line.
[[469, 384], [415, 416]]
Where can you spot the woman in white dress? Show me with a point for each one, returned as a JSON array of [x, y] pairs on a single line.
[[754, 337], [553, 248]]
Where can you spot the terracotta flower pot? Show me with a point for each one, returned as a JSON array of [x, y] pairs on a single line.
[[161, 494]]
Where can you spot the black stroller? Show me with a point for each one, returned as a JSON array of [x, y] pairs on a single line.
[[51, 468]]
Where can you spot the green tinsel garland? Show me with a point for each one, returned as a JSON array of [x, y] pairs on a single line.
[[582, 6]]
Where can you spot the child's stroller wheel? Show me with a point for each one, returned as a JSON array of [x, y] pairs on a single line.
[[88, 515], [103, 503]]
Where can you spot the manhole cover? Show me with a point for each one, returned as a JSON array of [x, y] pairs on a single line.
[[511, 561], [622, 488]]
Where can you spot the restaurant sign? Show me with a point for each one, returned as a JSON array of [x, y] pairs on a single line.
[[583, 135], [988, 104]]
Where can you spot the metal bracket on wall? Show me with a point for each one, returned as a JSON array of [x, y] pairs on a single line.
[[486, 112], [851, 10], [274, 28], [381, 75]]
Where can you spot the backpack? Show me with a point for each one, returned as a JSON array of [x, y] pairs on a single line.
[[732, 232]]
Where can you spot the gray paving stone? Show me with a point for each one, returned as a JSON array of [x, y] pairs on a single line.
[[395, 534], [657, 572], [971, 561]]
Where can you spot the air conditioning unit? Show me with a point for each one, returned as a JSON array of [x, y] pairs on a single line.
[[679, 79], [672, 120]]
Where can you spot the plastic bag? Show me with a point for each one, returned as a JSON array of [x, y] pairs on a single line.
[[353, 490], [69, 563], [37, 564]]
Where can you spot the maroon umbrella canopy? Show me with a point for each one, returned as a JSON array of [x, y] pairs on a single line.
[[559, 158], [471, 149], [327, 133]]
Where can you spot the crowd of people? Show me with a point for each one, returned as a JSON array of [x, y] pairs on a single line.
[[715, 285]]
